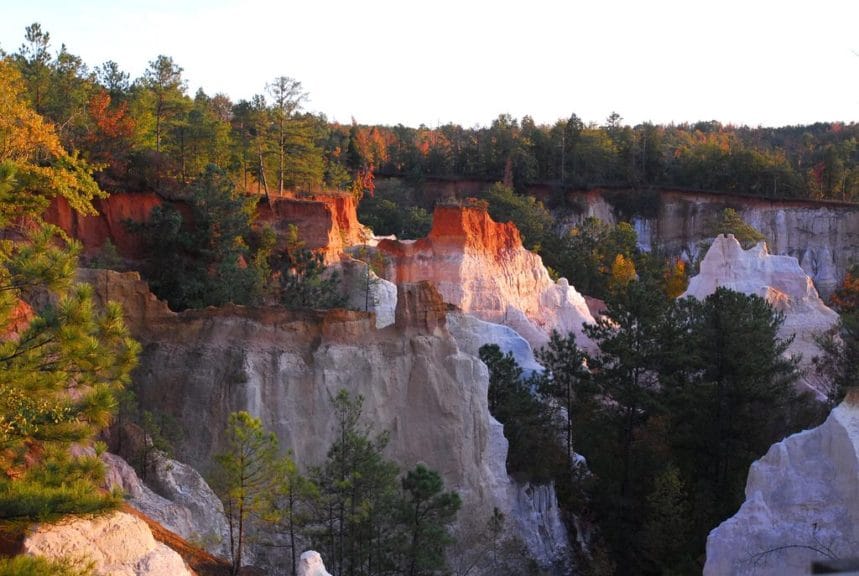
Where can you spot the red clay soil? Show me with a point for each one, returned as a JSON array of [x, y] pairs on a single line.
[[474, 228], [454, 229], [108, 224]]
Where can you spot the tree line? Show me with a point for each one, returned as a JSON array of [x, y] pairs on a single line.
[[150, 134]]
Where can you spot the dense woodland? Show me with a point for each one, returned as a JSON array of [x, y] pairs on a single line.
[[680, 399]]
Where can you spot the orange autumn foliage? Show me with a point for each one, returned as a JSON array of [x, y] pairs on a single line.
[[111, 122], [32, 146], [622, 272], [675, 280], [846, 298]]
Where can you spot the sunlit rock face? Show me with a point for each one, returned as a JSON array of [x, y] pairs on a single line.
[[118, 544], [326, 223], [802, 503], [481, 267], [778, 279], [471, 333]]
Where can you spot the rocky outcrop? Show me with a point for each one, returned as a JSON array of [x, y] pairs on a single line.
[[481, 267], [802, 503], [539, 523], [139, 305], [471, 333], [311, 564], [421, 309], [778, 279], [284, 366], [184, 486], [181, 501], [18, 321], [366, 291], [118, 544]]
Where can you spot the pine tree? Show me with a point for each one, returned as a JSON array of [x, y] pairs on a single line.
[[207, 260], [565, 380], [534, 454], [359, 496], [62, 362], [245, 478], [294, 499], [426, 513], [625, 381], [738, 399]]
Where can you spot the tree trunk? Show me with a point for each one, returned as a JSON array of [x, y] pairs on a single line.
[[282, 152], [237, 560], [262, 176]]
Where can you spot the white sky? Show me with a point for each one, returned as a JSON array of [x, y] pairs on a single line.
[[755, 62]]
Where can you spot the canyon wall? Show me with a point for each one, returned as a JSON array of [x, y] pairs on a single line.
[[285, 366], [92, 231], [822, 236], [802, 503], [326, 223]]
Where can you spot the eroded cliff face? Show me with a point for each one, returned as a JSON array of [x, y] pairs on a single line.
[[822, 236], [327, 223], [108, 224], [481, 267], [802, 503], [285, 366], [778, 279]]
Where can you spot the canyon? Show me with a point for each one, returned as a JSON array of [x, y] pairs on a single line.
[[412, 354], [413, 371], [285, 366], [822, 235]]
